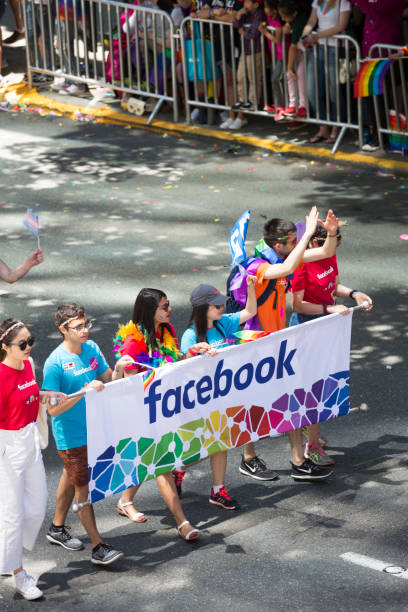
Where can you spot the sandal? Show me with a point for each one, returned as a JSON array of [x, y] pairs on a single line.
[[317, 138], [139, 517], [331, 139], [193, 534]]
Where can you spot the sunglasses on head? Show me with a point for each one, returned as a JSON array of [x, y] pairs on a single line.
[[24, 343]]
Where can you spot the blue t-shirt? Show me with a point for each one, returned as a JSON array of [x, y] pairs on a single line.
[[66, 372], [228, 324]]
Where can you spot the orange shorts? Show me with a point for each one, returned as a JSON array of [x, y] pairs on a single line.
[[76, 465]]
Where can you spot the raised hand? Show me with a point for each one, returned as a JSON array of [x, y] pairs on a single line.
[[330, 224]]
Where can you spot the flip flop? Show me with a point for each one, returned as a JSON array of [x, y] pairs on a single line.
[[139, 516], [193, 534], [316, 139], [331, 139]]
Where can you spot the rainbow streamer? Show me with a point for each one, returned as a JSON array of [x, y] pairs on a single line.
[[370, 78], [248, 335], [148, 377]]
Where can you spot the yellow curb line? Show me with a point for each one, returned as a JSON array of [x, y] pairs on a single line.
[[31, 97]]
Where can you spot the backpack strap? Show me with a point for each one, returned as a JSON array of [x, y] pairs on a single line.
[[270, 288]]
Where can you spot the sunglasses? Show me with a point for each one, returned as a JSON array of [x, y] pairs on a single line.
[[322, 240], [23, 345], [165, 306], [218, 306]]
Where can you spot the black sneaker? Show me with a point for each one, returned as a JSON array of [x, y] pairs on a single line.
[[62, 537], [310, 471], [178, 479], [223, 499], [237, 105], [256, 468], [248, 105], [104, 554]]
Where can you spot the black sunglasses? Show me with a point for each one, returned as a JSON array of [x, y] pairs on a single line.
[[24, 343], [165, 306]]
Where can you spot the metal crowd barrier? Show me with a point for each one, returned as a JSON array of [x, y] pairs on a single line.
[[134, 50], [391, 109], [210, 51], [129, 48]]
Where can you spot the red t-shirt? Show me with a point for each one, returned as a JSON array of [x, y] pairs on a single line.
[[19, 397], [318, 280]]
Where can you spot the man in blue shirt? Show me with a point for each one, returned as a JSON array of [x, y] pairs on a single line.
[[72, 366]]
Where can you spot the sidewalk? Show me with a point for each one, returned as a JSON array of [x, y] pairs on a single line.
[[261, 132]]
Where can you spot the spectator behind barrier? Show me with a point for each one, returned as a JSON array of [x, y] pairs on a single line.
[[331, 17]]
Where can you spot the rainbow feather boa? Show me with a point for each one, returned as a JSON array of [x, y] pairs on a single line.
[[168, 349]]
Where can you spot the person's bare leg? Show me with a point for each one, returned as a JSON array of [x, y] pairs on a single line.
[[87, 516], [65, 496], [218, 467], [249, 451], [167, 488], [126, 497], [313, 434], [15, 9], [295, 439]]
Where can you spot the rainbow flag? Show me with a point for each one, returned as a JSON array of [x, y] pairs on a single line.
[[370, 78], [398, 142]]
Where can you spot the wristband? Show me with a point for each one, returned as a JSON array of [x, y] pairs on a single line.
[[352, 293]]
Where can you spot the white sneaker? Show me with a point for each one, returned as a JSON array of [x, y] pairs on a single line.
[[227, 124], [74, 90], [59, 84], [237, 124], [370, 147], [194, 115], [25, 585]]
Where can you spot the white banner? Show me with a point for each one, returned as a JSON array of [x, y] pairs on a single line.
[[202, 405]]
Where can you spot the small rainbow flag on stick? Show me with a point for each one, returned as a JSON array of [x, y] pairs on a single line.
[[32, 223], [248, 335], [370, 78]]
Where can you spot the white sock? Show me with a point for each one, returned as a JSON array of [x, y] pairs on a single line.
[[20, 30], [217, 489]]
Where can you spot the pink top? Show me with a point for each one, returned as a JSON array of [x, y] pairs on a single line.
[[275, 23]]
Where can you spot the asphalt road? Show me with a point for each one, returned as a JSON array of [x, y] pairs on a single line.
[[121, 209]]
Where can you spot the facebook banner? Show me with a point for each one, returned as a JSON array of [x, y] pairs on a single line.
[[200, 406]]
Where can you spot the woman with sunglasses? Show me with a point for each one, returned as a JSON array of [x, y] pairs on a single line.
[[23, 487], [315, 287], [150, 338], [208, 323]]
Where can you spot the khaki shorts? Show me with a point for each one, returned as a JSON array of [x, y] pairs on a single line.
[[76, 465]]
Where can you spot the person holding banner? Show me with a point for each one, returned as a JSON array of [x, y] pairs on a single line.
[[277, 255], [209, 324], [72, 366], [150, 341], [23, 487], [315, 286], [11, 276]]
